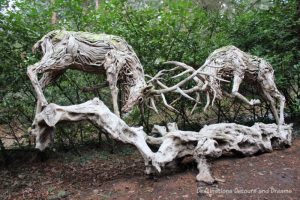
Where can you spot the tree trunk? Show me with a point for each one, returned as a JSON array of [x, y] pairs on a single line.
[[298, 18], [96, 4], [54, 14], [298, 9]]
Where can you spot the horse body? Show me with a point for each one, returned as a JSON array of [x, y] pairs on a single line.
[[92, 53], [230, 63]]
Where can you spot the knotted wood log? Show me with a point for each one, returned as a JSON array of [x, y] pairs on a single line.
[[215, 140], [212, 141], [96, 111]]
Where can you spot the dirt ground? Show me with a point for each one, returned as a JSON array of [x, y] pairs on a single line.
[[97, 174]]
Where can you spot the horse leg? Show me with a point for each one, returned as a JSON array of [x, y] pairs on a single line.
[[281, 98], [274, 92], [32, 74], [270, 99], [237, 80], [47, 78], [112, 82], [267, 83], [114, 94], [270, 95], [112, 65]]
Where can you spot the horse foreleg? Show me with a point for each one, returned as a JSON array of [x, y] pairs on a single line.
[[47, 78], [32, 74], [237, 80], [112, 82], [114, 95]]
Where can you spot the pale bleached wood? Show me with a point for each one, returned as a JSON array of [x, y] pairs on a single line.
[[94, 110], [227, 64], [93, 53], [215, 140], [211, 141]]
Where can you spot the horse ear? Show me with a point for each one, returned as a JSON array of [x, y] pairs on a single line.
[[147, 89]]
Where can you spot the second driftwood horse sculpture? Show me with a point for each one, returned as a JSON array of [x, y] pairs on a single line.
[[94, 53], [229, 62]]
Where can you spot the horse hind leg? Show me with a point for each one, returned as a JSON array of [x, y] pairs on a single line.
[[282, 105], [270, 99], [271, 92], [281, 99]]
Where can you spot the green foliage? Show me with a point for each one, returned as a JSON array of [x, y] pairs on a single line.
[[273, 34], [166, 30]]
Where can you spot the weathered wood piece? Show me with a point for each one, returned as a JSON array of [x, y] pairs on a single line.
[[100, 53], [211, 141], [93, 53], [94, 110], [215, 140], [227, 64]]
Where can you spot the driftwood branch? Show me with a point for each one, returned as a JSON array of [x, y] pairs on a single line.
[[95, 88], [211, 141], [95, 111], [216, 140]]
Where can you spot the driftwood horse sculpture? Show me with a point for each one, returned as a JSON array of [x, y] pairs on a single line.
[[228, 63], [88, 52]]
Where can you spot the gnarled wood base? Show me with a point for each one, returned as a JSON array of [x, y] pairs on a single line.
[[216, 140], [211, 141]]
